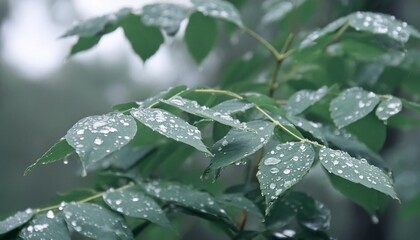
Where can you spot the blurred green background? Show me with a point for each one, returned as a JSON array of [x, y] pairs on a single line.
[[43, 93]]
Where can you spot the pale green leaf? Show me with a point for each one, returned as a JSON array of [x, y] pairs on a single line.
[[96, 222], [193, 107], [134, 203], [282, 167], [167, 16], [57, 152], [97, 136], [303, 99], [15, 221], [239, 144], [219, 9], [352, 105], [388, 108], [233, 106], [200, 36], [355, 170], [313, 128], [46, 226], [277, 10], [170, 126]]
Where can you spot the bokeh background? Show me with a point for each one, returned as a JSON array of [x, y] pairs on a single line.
[[43, 93]]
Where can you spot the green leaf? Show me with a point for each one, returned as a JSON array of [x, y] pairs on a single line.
[[239, 201], [378, 23], [162, 95], [368, 198], [309, 212], [239, 144], [15, 221], [46, 226], [72, 196], [96, 26], [57, 152], [233, 106], [411, 208], [282, 167], [134, 203], [343, 165], [97, 136], [313, 128], [96, 222], [84, 43], [187, 197], [219, 9], [167, 16], [277, 10], [200, 36], [145, 40], [170, 126], [411, 105], [375, 23], [259, 99], [352, 105], [303, 99], [193, 107], [388, 108]]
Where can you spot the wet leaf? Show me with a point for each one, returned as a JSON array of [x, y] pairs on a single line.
[[15, 221], [134, 203], [233, 106], [97, 136], [193, 107], [46, 226], [239, 144], [388, 108], [219, 9], [352, 105], [282, 167], [57, 152], [355, 170], [167, 16], [187, 197], [96, 222], [277, 10], [239, 201], [303, 99], [200, 36], [170, 126], [313, 128]]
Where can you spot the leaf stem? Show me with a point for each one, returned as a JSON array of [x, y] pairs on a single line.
[[263, 42], [340, 32], [83, 200]]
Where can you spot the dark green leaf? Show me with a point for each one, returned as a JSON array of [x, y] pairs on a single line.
[[282, 167], [239, 201], [134, 203], [95, 137], [233, 106], [259, 99], [46, 226], [411, 208], [219, 9], [368, 198], [15, 221], [170, 126], [313, 128], [200, 36], [343, 165], [303, 99], [411, 105], [57, 152], [239, 144], [167, 16], [72, 196], [144, 40], [388, 108], [193, 107], [352, 105], [96, 222], [84, 43], [187, 197]]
